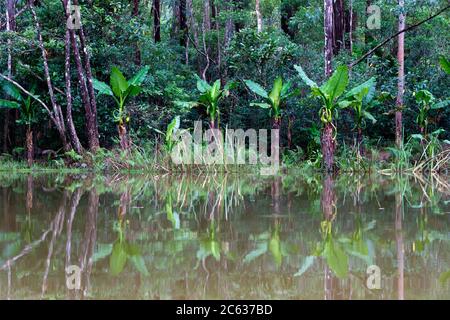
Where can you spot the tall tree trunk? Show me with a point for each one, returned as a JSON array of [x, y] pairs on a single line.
[[338, 26], [328, 29], [401, 75], [228, 24], [206, 15], [10, 26], [259, 20], [157, 20], [57, 118], [94, 142], [327, 139], [214, 14], [72, 131], [82, 82], [137, 53], [183, 23], [30, 147]]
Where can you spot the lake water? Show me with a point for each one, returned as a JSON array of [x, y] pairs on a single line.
[[224, 237]]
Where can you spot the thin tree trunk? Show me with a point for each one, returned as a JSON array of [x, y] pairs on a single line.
[[123, 137], [57, 113], [30, 147], [137, 53], [328, 29], [206, 15], [94, 143], [72, 131], [328, 144], [183, 23], [401, 76], [92, 132], [157, 20], [259, 20]]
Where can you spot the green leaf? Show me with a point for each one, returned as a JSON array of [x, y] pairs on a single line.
[[417, 136], [257, 89], [445, 64], [12, 91], [275, 94], [102, 87], [261, 249], [202, 85], [215, 249], [215, 91], [309, 261], [102, 251], [304, 77], [139, 78], [261, 105], [139, 264], [335, 86], [336, 258], [444, 277], [118, 258], [363, 89], [369, 116], [9, 104], [345, 104], [118, 82], [441, 105]]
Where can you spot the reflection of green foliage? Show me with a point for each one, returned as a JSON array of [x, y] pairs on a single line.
[[209, 246], [120, 252]]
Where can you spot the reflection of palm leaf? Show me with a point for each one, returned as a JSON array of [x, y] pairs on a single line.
[[336, 258]]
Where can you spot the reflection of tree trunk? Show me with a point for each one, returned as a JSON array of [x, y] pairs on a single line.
[[328, 197], [289, 133], [400, 246], [56, 226], [125, 199], [29, 202], [328, 146], [275, 191], [9, 213], [90, 236], [75, 200], [327, 202]]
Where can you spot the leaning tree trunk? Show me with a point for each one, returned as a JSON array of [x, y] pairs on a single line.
[[72, 131], [30, 148], [328, 144], [57, 118], [401, 76]]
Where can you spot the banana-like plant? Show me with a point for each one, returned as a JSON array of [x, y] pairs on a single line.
[[332, 99], [445, 64], [360, 98], [210, 96], [27, 114], [273, 100], [426, 102], [121, 90]]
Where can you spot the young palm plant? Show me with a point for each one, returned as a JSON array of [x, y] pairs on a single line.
[[121, 90], [27, 112], [331, 97], [273, 100]]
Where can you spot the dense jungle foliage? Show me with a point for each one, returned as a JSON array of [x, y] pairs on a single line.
[[113, 86]]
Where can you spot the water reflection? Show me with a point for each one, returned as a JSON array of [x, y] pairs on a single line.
[[224, 236]]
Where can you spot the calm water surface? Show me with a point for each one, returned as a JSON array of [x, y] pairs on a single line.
[[224, 237]]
